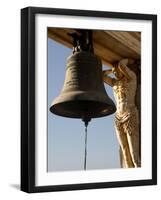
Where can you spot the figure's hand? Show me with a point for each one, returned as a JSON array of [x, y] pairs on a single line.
[[115, 67], [123, 68], [123, 62], [107, 79], [106, 72]]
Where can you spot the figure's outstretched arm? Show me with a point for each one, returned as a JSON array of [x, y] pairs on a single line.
[[110, 81]]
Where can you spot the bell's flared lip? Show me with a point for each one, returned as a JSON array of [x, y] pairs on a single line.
[[64, 109]]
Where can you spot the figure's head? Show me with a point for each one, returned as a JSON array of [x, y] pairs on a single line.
[[116, 71]]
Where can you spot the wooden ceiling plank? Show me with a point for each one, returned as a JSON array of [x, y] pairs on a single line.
[[113, 45], [126, 39], [60, 36], [137, 35], [60, 40]]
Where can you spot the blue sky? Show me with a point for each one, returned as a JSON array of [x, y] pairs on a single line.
[[66, 136]]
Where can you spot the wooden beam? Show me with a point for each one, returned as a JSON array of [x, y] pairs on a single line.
[[59, 36], [113, 45], [110, 46], [126, 39]]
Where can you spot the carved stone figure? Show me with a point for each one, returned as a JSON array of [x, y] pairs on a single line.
[[127, 116]]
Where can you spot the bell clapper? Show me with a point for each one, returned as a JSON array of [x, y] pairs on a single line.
[[86, 121]]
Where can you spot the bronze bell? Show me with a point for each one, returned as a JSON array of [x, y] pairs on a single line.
[[83, 94]]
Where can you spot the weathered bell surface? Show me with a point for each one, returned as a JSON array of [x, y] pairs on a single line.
[[83, 94]]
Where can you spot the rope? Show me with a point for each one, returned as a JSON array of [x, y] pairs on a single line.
[[86, 121], [85, 152]]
